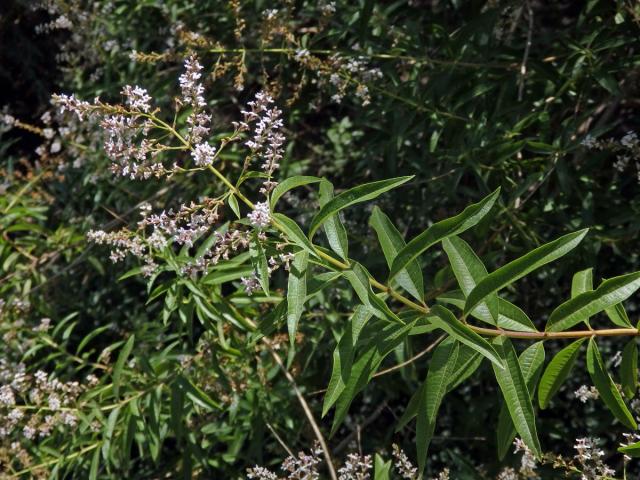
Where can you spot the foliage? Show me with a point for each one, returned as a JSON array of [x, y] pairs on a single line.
[[325, 219]]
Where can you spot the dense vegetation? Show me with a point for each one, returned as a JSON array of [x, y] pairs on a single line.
[[235, 231]]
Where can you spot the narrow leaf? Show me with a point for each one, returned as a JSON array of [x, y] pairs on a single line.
[[391, 241], [120, 362], [358, 277], [557, 372], [343, 356], [333, 227], [381, 469], [296, 292], [531, 362], [469, 217], [518, 268], [444, 319], [259, 262], [469, 270], [288, 184], [633, 450], [516, 394], [629, 368], [353, 196], [608, 294], [618, 316], [294, 233], [606, 388]]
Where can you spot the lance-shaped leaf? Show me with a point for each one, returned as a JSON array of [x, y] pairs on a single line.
[[358, 277], [469, 270], [510, 316], [259, 262], [353, 196], [469, 217], [629, 368], [609, 293], [516, 394], [633, 450], [531, 363], [618, 315], [343, 356], [122, 358], [580, 283], [557, 372], [518, 268], [392, 242], [441, 367], [333, 227], [606, 388], [289, 184], [381, 469], [444, 319], [467, 363], [294, 233], [374, 352], [296, 292]]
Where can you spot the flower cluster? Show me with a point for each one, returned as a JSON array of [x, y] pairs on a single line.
[[528, 462], [356, 467], [403, 465], [193, 96], [585, 393], [627, 150], [589, 457]]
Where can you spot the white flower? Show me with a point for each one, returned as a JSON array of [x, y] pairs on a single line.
[[585, 393], [137, 98], [260, 216], [203, 154], [6, 395], [250, 284]]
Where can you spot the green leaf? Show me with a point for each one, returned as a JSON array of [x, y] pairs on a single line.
[[233, 204], [518, 268], [296, 292], [196, 395], [358, 277], [343, 356], [375, 349], [95, 463], [516, 394], [259, 262], [333, 227], [441, 367], [469, 217], [531, 362], [608, 294], [122, 358], [381, 469], [294, 233], [469, 270], [391, 241], [582, 282], [629, 368], [353, 196], [557, 372], [444, 319], [632, 450], [606, 388], [618, 316], [288, 184]]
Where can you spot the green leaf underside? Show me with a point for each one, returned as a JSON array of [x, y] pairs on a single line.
[[585, 305], [469, 217], [531, 362], [606, 388], [358, 277], [391, 241], [629, 368], [510, 317], [618, 315], [520, 267], [343, 356], [557, 372], [289, 184], [469, 270], [516, 394], [580, 283], [333, 227], [353, 196], [441, 367], [444, 319], [296, 292]]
